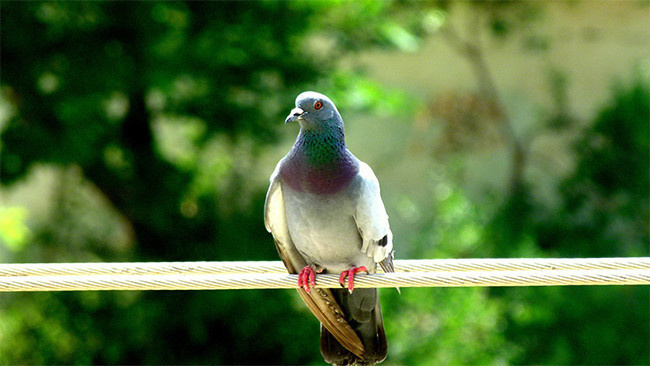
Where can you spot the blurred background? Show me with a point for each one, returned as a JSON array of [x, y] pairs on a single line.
[[146, 131]]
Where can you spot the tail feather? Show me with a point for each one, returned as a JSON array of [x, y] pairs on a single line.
[[363, 313]]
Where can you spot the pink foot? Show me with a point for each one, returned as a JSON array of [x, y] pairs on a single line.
[[307, 277], [350, 274]]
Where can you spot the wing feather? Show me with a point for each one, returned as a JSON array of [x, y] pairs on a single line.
[[372, 220]]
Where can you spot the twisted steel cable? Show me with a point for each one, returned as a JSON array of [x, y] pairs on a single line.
[[401, 265], [271, 274]]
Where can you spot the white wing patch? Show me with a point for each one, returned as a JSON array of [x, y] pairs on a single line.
[[371, 217], [275, 219]]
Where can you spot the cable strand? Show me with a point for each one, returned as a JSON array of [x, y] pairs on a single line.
[[404, 265], [225, 281]]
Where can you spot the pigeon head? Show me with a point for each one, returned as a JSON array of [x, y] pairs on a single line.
[[319, 162], [314, 110]]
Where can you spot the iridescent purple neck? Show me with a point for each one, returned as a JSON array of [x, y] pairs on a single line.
[[319, 162]]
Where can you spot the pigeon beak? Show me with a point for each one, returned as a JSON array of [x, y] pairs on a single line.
[[294, 115]]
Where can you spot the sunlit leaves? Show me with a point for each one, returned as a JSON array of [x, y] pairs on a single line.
[[14, 232], [355, 92]]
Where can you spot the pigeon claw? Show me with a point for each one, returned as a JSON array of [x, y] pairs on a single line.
[[307, 278], [350, 275]]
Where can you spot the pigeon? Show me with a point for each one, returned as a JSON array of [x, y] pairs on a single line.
[[325, 213]]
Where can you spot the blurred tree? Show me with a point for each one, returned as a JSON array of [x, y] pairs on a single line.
[[96, 85], [605, 211], [605, 214], [164, 59]]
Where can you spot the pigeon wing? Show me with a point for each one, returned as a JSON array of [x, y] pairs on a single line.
[[372, 220]]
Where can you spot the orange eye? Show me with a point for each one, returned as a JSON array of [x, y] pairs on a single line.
[[318, 104]]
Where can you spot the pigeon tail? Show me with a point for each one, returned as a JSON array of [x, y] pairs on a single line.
[[363, 313]]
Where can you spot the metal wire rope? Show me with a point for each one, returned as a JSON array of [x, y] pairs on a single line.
[[261, 275], [401, 265]]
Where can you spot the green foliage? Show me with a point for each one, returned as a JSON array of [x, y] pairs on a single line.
[[14, 232], [605, 215], [447, 325], [146, 98]]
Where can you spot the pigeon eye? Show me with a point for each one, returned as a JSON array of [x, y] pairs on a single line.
[[318, 104]]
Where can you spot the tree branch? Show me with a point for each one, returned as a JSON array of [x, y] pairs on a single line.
[[473, 53]]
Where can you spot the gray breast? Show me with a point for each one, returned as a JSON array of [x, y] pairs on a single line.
[[324, 230]]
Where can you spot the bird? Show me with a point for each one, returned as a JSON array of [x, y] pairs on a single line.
[[325, 213]]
